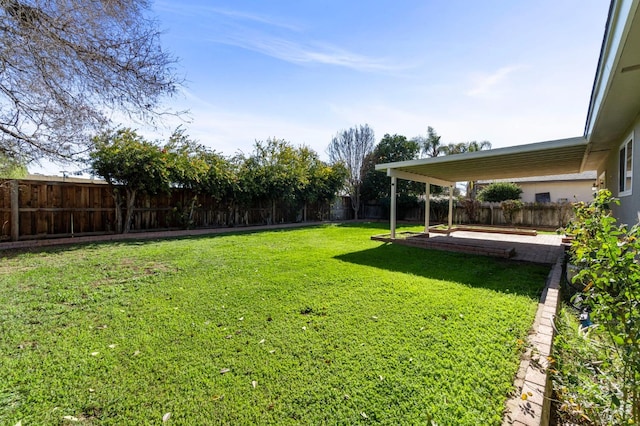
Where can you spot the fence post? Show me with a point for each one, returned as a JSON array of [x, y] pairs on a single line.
[[15, 210]]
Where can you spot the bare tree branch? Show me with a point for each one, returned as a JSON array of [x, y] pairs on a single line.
[[65, 66], [351, 147]]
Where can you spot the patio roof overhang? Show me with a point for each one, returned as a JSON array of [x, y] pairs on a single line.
[[537, 159]]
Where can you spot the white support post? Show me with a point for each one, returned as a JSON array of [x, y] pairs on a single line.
[[427, 207], [450, 207], [393, 207]]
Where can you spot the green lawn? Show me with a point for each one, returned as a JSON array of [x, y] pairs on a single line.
[[314, 326]]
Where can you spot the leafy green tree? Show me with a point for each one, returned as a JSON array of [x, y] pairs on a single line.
[[497, 192], [272, 173], [375, 185], [187, 169], [323, 180], [220, 179], [129, 163], [185, 162], [277, 171], [11, 169], [351, 147]]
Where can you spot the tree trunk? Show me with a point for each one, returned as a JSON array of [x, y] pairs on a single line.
[[117, 200], [131, 200], [355, 203]]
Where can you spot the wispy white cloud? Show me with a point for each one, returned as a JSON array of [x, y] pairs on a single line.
[[281, 38], [211, 13], [306, 53], [261, 19], [487, 84]]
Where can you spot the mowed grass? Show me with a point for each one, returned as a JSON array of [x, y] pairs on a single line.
[[315, 326]]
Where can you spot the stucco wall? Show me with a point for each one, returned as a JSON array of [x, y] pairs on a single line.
[[627, 211], [571, 190]]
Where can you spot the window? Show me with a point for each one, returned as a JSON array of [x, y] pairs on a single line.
[[626, 167], [543, 197]]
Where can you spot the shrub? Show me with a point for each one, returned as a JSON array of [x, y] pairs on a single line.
[[607, 254], [510, 208], [497, 192], [471, 208], [439, 208]]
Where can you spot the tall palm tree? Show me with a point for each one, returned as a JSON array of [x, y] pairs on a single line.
[[430, 145]]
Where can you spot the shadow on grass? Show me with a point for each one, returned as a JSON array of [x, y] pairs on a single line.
[[471, 270]]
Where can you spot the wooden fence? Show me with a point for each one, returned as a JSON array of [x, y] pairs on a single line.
[[37, 209], [541, 215]]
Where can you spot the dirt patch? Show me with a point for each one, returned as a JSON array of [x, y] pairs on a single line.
[[129, 270]]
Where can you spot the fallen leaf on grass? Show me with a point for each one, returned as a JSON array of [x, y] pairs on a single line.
[[272, 352], [71, 418], [112, 346], [166, 417], [254, 384], [225, 370], [261, 342], [364, 415], [136, 353], [94, 353], [217, 397]]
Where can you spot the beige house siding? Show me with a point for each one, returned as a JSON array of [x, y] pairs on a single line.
[[627, 211], [558, 191], [570, 187]]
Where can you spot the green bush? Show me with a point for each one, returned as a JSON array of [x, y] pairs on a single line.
[[607, 255], [439, 208], [510, 208], [497, 192], [471, 208]]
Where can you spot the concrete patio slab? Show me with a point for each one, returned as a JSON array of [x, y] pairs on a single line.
[[544, 248]]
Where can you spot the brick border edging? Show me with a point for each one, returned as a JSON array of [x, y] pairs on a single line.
[[151, 235], [531, 404]]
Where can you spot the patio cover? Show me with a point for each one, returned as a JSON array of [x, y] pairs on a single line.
[[537, 159]]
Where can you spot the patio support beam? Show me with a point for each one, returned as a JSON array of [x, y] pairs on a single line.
[[392, 214], [427, 207], [450, 207], [418, 178]]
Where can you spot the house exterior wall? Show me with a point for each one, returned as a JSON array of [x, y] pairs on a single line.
[[627, 211], [570, 190]]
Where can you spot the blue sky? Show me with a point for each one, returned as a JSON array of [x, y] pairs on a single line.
[[510, 72]]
